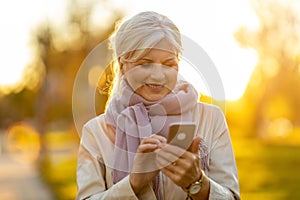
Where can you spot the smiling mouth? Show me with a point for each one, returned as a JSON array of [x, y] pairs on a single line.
[[154, 86]]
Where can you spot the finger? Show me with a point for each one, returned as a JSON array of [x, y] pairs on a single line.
[[172, 149], [150, 140], [179, 174], [170, 154], [165, 158], [186, 158], [186, 162], [155, 139], [163, 163], [168, 172], [151, 143], [172, 174], [148, 147], [159, 137], [194, 148]]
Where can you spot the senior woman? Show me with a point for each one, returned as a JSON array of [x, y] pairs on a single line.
[[124, 152]]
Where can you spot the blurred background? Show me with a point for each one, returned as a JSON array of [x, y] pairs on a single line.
[[255, 46]]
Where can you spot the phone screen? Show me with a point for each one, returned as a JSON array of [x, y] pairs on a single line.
[[181, 134]]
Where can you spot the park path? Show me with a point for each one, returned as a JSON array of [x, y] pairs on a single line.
[[20, 181]]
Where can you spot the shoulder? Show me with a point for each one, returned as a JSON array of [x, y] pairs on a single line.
[[208, 110], [94, 126], [96, 135], [98, 128], [209, 116], [95, 122]]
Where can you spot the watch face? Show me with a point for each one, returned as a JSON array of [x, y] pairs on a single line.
[[195, 188]]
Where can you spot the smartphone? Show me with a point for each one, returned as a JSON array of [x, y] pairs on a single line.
[[181, 134]]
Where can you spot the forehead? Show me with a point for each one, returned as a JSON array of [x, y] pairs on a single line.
[[162, 50], [158, 55]]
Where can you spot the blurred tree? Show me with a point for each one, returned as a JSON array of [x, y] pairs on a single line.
[[273, 90], [59, 52], [17, 107]]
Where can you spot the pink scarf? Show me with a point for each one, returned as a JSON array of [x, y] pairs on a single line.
[[135, 118]]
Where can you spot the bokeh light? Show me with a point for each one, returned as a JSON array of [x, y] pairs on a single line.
[[23, 143]]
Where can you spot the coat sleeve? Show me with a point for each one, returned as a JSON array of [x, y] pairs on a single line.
[[222, 170], [91, 171]]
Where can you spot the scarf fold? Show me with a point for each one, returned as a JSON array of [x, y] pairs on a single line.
[[135, 118]]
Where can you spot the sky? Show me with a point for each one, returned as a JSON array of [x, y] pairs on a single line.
[[210, 24], [18, 20]]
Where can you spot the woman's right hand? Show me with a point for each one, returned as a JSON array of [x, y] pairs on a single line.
[[144, 168]]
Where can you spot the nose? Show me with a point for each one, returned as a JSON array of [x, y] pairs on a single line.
[[157, 72]]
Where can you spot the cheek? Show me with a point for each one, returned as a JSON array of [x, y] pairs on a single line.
[[135, 78], [172, 78]]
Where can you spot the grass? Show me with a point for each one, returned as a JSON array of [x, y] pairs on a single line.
[[267, 171]]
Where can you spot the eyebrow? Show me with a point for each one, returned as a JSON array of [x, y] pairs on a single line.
[[150, 60]]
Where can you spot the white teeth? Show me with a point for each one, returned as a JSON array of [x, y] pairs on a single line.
[[154, 86]]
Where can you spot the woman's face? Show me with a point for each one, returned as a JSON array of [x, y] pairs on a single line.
[[155, 74]]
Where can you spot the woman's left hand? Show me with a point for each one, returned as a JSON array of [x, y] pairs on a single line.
[[180, 165]]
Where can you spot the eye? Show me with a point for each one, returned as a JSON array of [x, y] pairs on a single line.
[[146, 64], [171, 64]]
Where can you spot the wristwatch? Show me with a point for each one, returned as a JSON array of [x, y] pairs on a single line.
[[195, 187]]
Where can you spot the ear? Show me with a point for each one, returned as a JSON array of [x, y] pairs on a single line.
[[178, 57], [121, 66]]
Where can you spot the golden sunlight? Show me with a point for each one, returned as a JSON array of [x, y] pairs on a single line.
[[23, 143], [13, 64], [16, 35]]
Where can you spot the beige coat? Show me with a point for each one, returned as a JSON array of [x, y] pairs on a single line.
[[95, 160]]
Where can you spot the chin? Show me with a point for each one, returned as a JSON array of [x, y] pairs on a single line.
[[153, 98]]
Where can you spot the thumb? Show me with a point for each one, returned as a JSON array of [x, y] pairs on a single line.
[[194, 148]]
